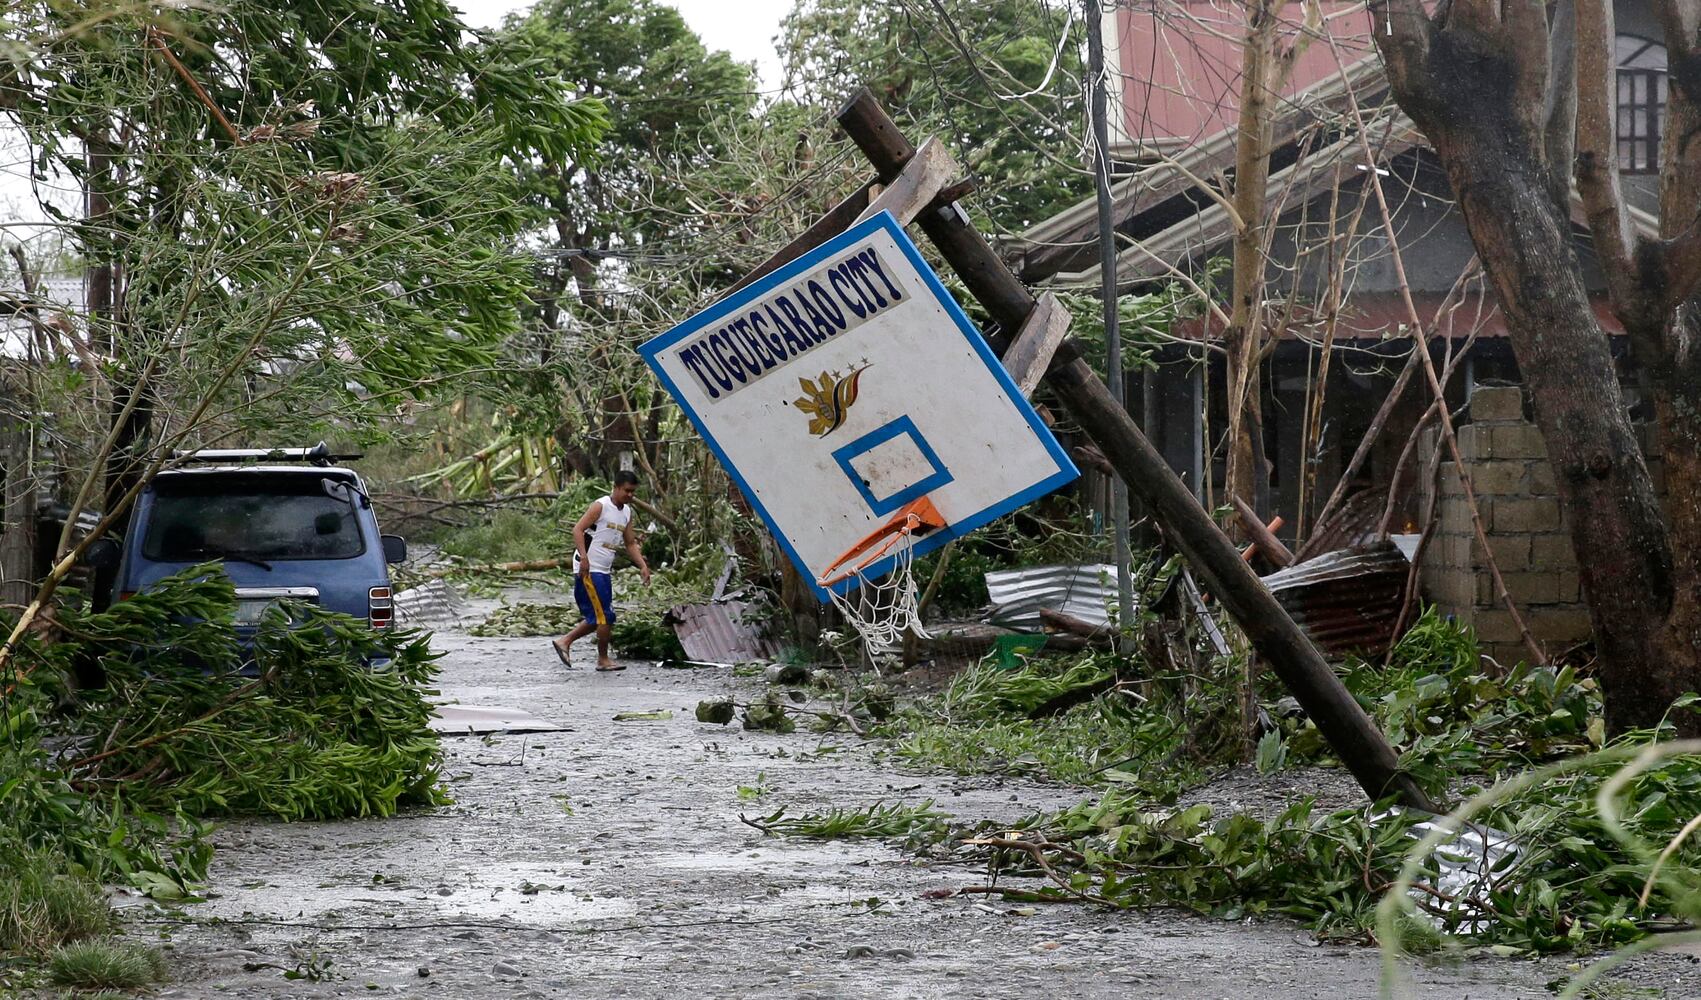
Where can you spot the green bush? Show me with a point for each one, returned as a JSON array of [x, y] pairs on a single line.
[[106, 965]]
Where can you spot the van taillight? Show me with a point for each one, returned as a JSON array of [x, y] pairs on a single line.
[[380, 607], [125, 595]]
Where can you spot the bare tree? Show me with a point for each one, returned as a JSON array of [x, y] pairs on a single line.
[[1266, 66]]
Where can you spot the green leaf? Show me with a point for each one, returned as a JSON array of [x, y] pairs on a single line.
[[1272, 753]]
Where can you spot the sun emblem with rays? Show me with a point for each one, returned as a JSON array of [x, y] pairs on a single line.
[[828, 400]]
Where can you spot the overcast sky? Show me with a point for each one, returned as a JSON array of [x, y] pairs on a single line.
[[745, 28]]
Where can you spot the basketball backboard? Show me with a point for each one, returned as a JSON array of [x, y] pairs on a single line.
[[849, 384]]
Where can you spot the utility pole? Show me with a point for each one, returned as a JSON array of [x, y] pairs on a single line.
[[1188, 526], [1107, 273]]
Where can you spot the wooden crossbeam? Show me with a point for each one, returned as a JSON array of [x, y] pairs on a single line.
[[923, 177], [1035, 344]]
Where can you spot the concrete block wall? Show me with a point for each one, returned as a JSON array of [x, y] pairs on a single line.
[[1526, 530]]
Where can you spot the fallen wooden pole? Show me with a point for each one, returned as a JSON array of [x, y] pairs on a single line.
[[1263, 535], [1075, 626], [1187, 526], [1252, 550]]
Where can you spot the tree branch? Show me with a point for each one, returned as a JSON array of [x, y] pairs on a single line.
[[1560, 118], [1404, 40], [1597, 162]]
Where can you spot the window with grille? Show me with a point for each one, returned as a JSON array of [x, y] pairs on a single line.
[[1641, 104]]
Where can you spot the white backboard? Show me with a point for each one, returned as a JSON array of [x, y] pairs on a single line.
[[848, 383]]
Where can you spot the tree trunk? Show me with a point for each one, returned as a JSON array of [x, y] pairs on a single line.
[[1524, 240], [1243, 341], [1482, 82], [1678, 409]]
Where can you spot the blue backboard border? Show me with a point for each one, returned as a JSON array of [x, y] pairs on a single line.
[[1066, 470]]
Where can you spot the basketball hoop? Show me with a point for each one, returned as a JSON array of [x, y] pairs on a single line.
[[882, 610], [846, 393]]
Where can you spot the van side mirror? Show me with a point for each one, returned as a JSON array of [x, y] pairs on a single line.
[[102, 553], [395, 548]]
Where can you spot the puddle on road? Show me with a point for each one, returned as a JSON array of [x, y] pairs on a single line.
[[524, 894], [796, 857], [548, 906]]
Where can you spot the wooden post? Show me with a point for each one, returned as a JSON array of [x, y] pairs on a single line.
[[17, 508], [1349, 731]]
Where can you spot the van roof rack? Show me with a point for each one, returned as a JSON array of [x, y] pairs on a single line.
[[320, 454]]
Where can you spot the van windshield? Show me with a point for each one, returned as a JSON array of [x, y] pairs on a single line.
[[199, 517]]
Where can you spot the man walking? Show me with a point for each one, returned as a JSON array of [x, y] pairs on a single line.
[[604, 529]]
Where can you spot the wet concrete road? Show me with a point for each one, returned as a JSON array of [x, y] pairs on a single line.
[[609, 861]]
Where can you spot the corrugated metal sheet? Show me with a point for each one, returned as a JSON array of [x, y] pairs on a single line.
[[721, 632], [434, 601], [1084, 592], [1348, 600], [1354, 523]]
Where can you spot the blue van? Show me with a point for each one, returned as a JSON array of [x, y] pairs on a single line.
[[287, 523]]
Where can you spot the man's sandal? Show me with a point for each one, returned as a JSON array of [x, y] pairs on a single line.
[[561, 651]]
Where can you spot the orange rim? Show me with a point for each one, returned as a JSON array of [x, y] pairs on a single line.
[[913, 520]]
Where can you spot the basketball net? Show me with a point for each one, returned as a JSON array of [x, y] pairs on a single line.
[[882, 611]]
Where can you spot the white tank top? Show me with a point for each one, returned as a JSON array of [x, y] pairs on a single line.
[[608, 536]]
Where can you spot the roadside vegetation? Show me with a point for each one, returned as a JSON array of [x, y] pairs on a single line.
[[130, 730], [1589, 856]]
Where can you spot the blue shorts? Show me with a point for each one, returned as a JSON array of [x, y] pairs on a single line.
[[596, 602]]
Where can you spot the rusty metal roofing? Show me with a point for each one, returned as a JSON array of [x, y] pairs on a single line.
[[1084, 592], [728, 631], [1347, 601]]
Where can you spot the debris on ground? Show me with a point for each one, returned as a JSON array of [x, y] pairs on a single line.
[[529, 619], [786, 673], [1081, 592], [476, 720], [726, 631], [769, 715], [435, 602], [718, 711]]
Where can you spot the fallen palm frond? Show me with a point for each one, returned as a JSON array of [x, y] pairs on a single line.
[[877, 820]]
